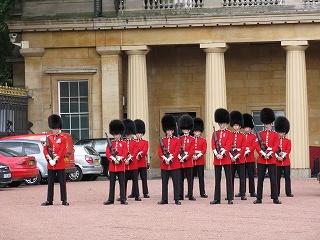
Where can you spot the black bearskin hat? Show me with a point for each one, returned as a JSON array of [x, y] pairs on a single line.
[[168, 122], [282, 125], [236, 118], [198, 124], [129, 127], [221, 115], [267, 116], [247, 120], [116, 127], [54, 121], [186, 122], [140, 126]]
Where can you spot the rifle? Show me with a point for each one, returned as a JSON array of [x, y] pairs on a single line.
[[49, 147], [216, 141], [263, 146], [164, 150], [182, 152], [113, 151]]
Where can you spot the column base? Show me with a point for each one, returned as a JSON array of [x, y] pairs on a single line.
[[300, 173]]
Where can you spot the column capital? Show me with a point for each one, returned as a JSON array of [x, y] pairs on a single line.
[[32, 52], [108, 50], [219, 47], [136, 50], [295, 45]]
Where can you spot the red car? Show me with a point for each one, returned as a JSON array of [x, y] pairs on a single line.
[[21, 166]]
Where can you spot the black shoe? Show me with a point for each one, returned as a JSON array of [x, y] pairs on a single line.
[[162, 202], [186, 195], [146, 196], [118, 199], [181, 198], [257, 201], [230, 202], [276, 201], [204, 196], [124, 202], [192, 198], [130, 196], [253, 195], [243, 198], [238, 195], [177, 202], [109, 202], [137, 199], [215, 202], [47, 203], [290, 195], [65, 203], [226, 199]]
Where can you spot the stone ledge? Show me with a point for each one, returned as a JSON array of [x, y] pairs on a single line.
[[63, 70]]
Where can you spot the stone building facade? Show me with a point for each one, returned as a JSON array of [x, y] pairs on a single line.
[[154, 57]]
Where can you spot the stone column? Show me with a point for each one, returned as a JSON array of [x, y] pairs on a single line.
[[297, 106], [33, 81], [111, 85], [215, 95], [137, 84]]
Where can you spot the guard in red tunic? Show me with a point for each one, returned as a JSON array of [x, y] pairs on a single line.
[[282, 126], [236, 153], [221, 145], [55, 149], [116, 154], [142, 155], [200, 147], [168, 151], [267, 148], [250, 146], [185, 155], [130, 160]]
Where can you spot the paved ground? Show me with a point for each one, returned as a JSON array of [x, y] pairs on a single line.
[[22, 217]]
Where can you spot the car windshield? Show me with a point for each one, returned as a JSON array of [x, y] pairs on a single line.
[[10, 153], [90, 150]]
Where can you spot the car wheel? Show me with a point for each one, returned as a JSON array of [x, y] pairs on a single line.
[[14, 184], [76, 175], [33, 181]]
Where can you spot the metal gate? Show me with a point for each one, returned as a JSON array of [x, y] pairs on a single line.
[[13, 111]]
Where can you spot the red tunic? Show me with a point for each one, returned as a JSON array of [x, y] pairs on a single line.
[[187, 143], [200, 144], [238, 141], [271, 139], [59, 146], [173, 146], [285, 147], [250, 143], [131, 148], [142, 146], [225, 138], [119, 146]]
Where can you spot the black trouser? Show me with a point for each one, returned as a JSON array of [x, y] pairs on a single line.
[[113, 177], [105, 166], [132, 175], [286, 171], [175, 175], [250, 169], [61, 174], [217, 177], [199, 171], [186, 172], [143, 175], [272, 171], [240, 169]]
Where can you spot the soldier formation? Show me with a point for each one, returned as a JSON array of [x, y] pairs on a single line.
[[183, 156]]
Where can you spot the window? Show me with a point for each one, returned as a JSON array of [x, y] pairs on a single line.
[[74, 108], [31, 148], [15, 146], [258, 123]]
